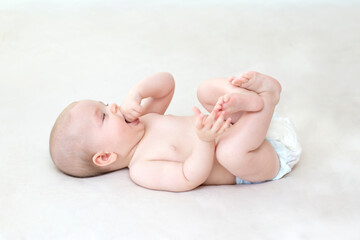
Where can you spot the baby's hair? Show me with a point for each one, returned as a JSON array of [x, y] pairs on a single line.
[[69, 150]]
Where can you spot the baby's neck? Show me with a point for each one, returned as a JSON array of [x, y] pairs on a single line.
[[125, 160]]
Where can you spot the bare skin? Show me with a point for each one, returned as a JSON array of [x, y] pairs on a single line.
[[242, 150], [180, 153]]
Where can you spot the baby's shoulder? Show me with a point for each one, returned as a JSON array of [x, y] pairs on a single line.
[[152, 118]]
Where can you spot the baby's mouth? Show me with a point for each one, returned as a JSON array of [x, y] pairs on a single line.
[[135, 122]]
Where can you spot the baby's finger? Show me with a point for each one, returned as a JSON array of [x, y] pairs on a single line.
[[219, 122], [199, 121], [225, 126], [213, 115], [196, 111], [138, 108], [211, 119], [206, 123], [135, 113]]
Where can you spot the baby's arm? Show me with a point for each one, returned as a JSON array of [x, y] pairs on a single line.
[[198, 166], [151, 95]]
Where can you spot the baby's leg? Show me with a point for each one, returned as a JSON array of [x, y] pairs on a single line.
[[243, 149], [236, 99]]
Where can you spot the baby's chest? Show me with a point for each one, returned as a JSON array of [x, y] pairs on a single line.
[[166, 143]]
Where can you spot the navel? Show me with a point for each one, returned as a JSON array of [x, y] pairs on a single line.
[[173, 148]]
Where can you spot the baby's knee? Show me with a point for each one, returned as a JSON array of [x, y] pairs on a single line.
[[203, 91], [210, 90]]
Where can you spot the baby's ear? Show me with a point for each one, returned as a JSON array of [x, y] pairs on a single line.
[[103, 159]]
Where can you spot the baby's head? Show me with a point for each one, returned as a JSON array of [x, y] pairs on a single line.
[[90, 138]]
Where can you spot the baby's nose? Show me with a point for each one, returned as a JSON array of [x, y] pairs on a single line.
[[114, 108]]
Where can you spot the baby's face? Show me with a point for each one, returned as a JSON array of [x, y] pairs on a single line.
[[105, 127]]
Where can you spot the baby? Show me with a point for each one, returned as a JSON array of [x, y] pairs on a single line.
[[177, 153]]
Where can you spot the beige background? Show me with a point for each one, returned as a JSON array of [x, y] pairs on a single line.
[[55, 52]]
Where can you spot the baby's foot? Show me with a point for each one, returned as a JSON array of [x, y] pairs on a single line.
[[256, 82], [238, 102]]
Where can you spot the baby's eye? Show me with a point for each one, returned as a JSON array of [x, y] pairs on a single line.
[[103, 116]]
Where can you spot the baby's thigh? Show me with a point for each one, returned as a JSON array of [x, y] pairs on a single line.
[[258, 165]]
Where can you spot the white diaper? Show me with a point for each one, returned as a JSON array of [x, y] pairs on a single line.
[[282, 136]]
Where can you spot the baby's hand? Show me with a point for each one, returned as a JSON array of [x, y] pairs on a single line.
[[209, 127], [131, 107]]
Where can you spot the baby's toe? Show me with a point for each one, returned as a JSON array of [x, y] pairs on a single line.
[[230, 79], [248, 75], [238, 81]]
